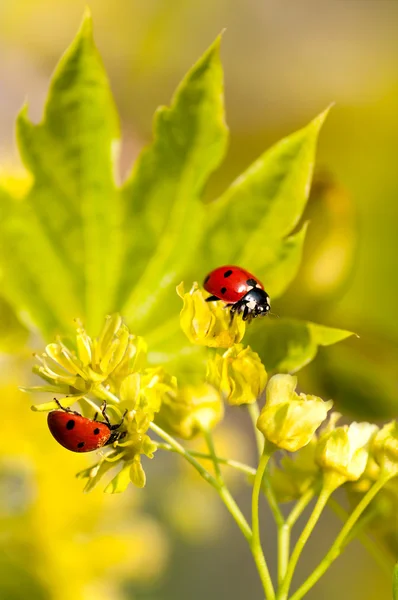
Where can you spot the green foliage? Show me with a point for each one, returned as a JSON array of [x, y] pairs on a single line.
[[249, 223], [287, 345], [163, 193], [80, 246]]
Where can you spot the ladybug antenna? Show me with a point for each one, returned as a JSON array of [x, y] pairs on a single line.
[[274, 315]]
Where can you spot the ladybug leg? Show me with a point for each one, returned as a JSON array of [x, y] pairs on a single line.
[[113, 427], [246, 313], [103, 412], [115, 437], [212, 299], [66, 409], [233, 310]]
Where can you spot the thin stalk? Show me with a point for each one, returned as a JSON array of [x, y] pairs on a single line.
[[283, 551], [256, 547], [383, 559], [300, 506], [185, 454], [284, 532], [338, 544], [223, 493], [216, 463], [234, 464], [223, 490], [254, 413], [303, 539]]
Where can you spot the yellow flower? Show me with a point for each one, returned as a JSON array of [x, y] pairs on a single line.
[[344, 451], [98, 365], [385, 447], [190, 410], [239, 375], [289, 420], [208, 323]]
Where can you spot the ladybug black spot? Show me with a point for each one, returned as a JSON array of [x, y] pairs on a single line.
[[252, 282], [223, 290], [228, 273], [80, 445], [96, 431], [70, 424], [207, 279]]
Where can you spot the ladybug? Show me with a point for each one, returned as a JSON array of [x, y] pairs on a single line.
[[242, 292], [79, 434]]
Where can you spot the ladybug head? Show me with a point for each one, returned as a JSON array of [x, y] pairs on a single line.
[[260, 310], [258, 302]]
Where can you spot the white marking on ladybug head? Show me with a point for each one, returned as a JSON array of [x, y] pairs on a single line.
[[251, 305]]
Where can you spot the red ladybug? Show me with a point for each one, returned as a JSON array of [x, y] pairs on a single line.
[[243, 292], [79, 434]]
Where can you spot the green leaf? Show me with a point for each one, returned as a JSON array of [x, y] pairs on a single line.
[[163, 192], [249, 222], [66, 234], [287, 345], [395, 583], [35, 281], [280, 263]]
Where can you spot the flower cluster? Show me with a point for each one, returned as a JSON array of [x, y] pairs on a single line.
[[113, 367]]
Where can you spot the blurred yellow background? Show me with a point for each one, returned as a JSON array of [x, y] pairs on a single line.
[[284, 62]]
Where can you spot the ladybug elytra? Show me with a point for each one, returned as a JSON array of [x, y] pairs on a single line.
[[241, 290], [80, 434]]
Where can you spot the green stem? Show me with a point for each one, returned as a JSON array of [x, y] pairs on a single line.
[[283, 551], [303, 539], [236, 513], [301, 505], [381, 557], [184, 453], [284, 532], [224, 461], [210, 444], [255, 546], [222, 491], [108, 394], [254, 413], [338, 544]]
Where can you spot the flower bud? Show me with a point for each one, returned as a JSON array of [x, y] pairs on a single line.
[[208, 323], [238, 374], [289, 420], [385, 447], [344, 451], [190, 409]]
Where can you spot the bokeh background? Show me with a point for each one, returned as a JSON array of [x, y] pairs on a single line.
[[284, 62]]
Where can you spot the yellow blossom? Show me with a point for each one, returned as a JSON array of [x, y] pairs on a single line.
[[289, 420], [190, 410], [208, 323], [239, 375], [385, 447], [344, 451]]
